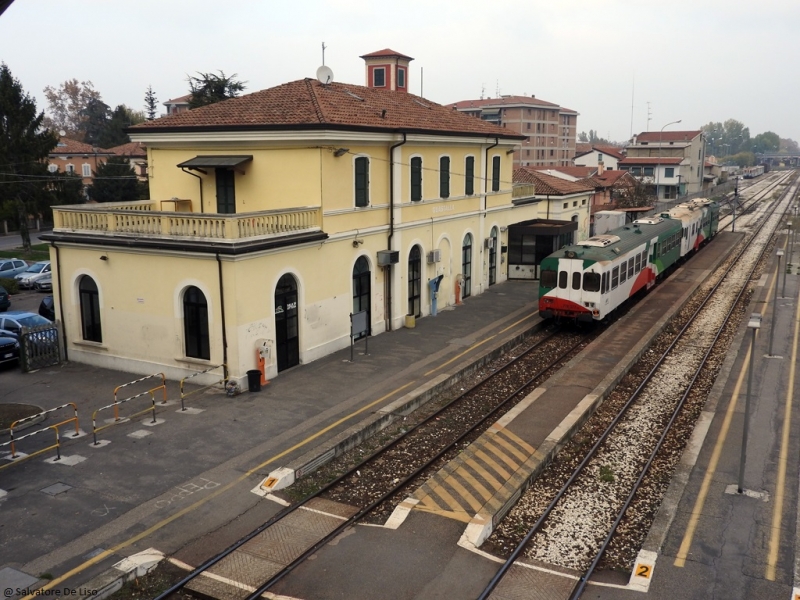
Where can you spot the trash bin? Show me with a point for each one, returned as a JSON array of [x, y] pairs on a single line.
[[254, 381]]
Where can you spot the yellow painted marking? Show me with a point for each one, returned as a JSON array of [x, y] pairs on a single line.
[[491, 461], [270, 482], [470, 479], [643, 570], [480, 470], [481, 343], [223, 488], [429, 503], [516, 439], [445, 496], [697, 510], [499, 441], [498, 453], [777, 510], [473, 502]]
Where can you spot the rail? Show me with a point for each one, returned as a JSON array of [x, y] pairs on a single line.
[[145, 378], [224, 380], [144, 219], [116, 404], [57, 445]]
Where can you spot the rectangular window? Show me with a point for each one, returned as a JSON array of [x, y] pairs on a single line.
[[575, 203], [669, 172], [548, 279], [614, 278], [469, 176], [649, 172], [636, 170], [379, 77], [444, 177], [638, 266], [630, 268], [70, 168], [623, 273], [566, 205], [87, 170], [644, 259], [362, 181], [495, 173], [576, 281], [416, 179], [52, 168], [401, 77], [591, 282], [226, 193], [562, 280]]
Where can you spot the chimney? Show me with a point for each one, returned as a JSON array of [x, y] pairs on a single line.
[[600, 168], [387, 69]]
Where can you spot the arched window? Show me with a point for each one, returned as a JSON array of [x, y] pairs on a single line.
[[361, 289], [90, 310], [466, 265], [195, 324], [414, 281], [287, 332]]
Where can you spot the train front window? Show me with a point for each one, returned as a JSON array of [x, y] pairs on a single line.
[[548, 279], [576, 281], [591, 282], [562, 280]]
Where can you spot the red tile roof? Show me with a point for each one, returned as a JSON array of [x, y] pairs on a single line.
[[308, 104], [179, 100], [584, 148], [667, 136], [651, 160], [68, 146], [549, 185], [608, 179], [504, 101], [387, 53], [130, 149], [578, 172]]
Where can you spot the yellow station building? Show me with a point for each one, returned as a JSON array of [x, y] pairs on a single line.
[[278, 215]]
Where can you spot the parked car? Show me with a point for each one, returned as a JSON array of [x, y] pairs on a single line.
[[5, 301], [47, 308], [32, 274], [45, 284], [11, 267], [9, 350]]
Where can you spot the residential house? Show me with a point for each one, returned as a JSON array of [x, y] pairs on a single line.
[[178, 105], [549, 129], [568, 173], [597, 155], [670, 163], [136, 154], [72, 156], [286, 220], [562, 219]]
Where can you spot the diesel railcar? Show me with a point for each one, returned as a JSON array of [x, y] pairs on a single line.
[[589, 280]]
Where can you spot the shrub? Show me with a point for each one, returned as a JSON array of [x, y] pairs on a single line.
[[11, 285]]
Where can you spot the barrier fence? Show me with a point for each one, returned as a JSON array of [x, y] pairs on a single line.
[[13, 441], [221, 381], [117, 403]]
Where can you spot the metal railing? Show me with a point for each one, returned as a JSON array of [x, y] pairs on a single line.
[[117, 403], [222, 381], [13, 441], [40, 346]]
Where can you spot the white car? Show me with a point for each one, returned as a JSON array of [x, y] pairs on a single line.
[[32, 274]]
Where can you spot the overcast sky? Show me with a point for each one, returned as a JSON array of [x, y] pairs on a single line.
[[616, 62]]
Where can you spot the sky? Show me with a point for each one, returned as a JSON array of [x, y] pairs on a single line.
[[625, 66]]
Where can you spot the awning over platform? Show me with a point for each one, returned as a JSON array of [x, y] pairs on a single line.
[[545, 227]]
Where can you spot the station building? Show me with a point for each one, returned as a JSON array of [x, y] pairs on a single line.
[[276, 216]]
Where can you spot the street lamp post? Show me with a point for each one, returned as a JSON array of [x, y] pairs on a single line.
[[658, 163], [775, 302], [753, 325]]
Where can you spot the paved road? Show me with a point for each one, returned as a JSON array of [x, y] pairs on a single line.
[[14, 241]]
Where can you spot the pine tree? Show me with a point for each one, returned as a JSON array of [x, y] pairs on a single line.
[[150, 104]]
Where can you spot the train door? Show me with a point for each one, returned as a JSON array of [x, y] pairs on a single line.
[[574, 280], [287, 340]]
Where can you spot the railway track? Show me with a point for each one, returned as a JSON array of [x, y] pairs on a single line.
[[590, 502], [743, 207], [370, 487]]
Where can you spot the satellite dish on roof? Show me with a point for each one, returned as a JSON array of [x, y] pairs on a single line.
[[62, 133], [324, 75]]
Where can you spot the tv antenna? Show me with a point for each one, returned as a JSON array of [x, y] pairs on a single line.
[[323, 54]]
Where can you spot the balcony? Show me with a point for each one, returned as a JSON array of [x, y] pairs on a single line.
[[143, 218], [144, 222]]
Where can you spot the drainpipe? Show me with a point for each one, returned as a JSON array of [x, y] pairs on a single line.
[[60, 304], [486, 179], [222, 312], [391, 230], [202, 210]]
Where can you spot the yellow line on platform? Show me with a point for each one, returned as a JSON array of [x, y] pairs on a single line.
[[697, 510], [777, 510]]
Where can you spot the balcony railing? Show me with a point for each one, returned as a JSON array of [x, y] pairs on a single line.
[[523, 190], [144, 219]]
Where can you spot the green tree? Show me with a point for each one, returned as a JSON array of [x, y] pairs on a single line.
[[633, 194], [67, 106], [24, 146], [113, 133], [150, 104], [766, 142], [209, 88], [115, 181], [65, 188], [96, 116]]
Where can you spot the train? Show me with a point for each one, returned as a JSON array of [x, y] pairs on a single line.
[[753, 172], [588, 281]]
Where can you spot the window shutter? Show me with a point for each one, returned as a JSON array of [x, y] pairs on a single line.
[[416, 179], [469, 184], [444, 177], [496, 174], [362, 181]]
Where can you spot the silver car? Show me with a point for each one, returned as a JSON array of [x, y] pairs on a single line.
[[32, 274], [11, 267]]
